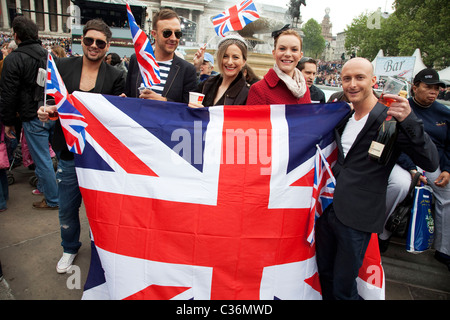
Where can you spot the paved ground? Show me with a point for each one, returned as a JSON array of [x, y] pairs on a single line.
[[30, 248]]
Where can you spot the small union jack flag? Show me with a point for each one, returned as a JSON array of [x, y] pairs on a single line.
[[72, 121], [235, 18], [323, 189], [144, 53]]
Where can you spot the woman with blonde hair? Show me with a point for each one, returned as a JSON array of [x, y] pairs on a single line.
[[284, 83], [229, 87]]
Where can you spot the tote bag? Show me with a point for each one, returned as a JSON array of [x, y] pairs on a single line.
[[4, 161], [421, 227]]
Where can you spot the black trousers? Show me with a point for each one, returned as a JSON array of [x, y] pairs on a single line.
[[340, 253]]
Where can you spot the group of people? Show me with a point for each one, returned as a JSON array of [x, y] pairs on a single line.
[[328, 73], [64, 43], [359, 206], [4, 38]]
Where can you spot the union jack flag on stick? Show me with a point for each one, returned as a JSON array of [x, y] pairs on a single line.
[[323, 189], [72, 121], [235, 18], [144, 53]]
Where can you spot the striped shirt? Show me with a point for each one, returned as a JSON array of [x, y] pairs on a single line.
[[164, 68]]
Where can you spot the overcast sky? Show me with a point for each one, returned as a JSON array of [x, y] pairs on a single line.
[[342, 12]]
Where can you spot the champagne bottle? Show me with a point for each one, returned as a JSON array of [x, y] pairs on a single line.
[[382, 147]]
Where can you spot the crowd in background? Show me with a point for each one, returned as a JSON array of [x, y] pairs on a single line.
[[328, 72]]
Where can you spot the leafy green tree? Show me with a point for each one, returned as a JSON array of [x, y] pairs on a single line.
[[313, 42], [422, 24], [366, 42]]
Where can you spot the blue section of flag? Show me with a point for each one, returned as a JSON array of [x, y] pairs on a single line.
[[91, 160], [96, 275], [313, 119], [173, 123]]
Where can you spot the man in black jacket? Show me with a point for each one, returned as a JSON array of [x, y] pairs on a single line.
[[178, 77], [308, 67], [21, 94], [344, 230], [88, 73]]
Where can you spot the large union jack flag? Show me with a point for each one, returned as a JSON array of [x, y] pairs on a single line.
[[235, 18], [148, 66], [208, 203], [72, 121]]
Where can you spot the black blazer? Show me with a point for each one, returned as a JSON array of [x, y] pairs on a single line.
[[236, 94], [360, 194], [181, 80], [109, 81]]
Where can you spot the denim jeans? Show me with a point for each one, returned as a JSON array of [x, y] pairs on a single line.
[[4, 191], [38, 135], [69, 205], [340, 252]]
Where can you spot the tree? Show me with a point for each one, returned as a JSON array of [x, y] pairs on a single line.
[[366, 42], [313, 42], [422, 24]]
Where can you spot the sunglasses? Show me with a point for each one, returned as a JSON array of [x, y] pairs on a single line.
[[90, 41], [168, 33]]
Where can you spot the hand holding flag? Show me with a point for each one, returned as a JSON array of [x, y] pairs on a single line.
[[235, 18], [72, 121], [144, 53]]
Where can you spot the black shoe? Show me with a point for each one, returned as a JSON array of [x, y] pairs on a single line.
[[443, 258], [383, 244]]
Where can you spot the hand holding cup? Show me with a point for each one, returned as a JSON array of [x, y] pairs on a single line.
[[196, 99], [48, 112]]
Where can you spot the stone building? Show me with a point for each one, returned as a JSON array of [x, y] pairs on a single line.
[[55, 17]]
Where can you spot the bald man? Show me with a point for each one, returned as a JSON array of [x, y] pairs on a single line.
[[358, 210]]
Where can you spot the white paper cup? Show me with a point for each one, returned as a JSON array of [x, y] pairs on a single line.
[[196, 97]]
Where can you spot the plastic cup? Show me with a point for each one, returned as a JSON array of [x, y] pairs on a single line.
[[52, 115], [195, 97], [392, 86]]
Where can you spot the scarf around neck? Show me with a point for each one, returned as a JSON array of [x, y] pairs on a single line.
[[297, 84]]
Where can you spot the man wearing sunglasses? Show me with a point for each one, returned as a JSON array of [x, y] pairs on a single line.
[[178, 76], [87, 73]]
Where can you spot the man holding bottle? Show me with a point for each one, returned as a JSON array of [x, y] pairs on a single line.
[[344, 230]]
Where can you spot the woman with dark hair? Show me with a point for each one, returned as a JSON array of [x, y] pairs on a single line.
[[250, 75], [229, 87], [114, 60]]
